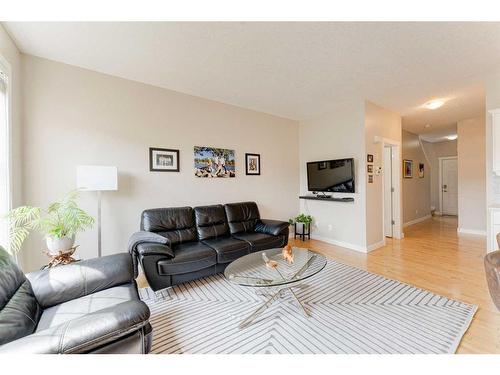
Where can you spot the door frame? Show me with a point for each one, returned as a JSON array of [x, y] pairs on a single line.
[[441, 179], [396, 180]]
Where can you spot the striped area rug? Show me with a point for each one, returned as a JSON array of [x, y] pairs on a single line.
[[352, 311]]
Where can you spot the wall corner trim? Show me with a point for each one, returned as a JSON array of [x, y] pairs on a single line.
[[471, 231], [416, 221]]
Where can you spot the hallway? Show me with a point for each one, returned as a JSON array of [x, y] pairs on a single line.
[[433, 256]]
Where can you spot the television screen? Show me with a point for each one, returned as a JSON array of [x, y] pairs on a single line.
[[331, 175]]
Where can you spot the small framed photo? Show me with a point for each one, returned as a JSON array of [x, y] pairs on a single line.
[[369, 158], [421, 170], [407, 168], [252, 162], [370, 179], [369, 168], [163, 160]]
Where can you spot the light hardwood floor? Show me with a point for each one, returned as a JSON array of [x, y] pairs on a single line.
[[432, 256]]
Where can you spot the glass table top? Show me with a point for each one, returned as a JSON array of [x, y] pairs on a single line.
[[270, 268]]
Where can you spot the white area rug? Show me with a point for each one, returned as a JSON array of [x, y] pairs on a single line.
[[352, 311]]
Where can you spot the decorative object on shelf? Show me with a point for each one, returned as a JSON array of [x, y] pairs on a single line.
[[63, 257], [252, 164], [369, 158], [214, 162], [163, 160], [408, 168], [302, 226], [287, 254], [369, 168], [370, 179], [421, 170], [97, 178], [59, 223]]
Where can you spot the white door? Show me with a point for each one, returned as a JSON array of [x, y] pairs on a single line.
[[388, 192], [449, 186]]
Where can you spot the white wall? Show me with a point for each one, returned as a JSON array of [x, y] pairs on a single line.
[[338, 134], [74, 116], [379, 122], [472, 175]]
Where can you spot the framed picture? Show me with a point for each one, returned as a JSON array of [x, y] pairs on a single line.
[[370, 179], [369, 168], [252, 163], [421, 170], [369, 158], [408, 168], [211, 162], [163, 160]]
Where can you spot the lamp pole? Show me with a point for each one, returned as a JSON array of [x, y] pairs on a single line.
[[99, 248]]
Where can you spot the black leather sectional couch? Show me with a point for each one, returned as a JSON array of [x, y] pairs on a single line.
[[188, 243]]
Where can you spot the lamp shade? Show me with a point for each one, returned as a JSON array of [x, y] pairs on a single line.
[[96, 178]]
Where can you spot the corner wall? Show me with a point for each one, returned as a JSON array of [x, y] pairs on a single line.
[[471, 176], [416, 190], [74, 116], [379, 122], [337, 135]]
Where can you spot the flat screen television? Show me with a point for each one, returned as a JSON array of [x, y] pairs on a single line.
[[335, 176]]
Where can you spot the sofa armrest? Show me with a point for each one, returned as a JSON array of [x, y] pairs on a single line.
[[272, 227], [145, 249], [86, 333], [60, 284]]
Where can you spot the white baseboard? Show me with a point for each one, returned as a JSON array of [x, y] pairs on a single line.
[[471, 231], [416, 221], [347, 245]]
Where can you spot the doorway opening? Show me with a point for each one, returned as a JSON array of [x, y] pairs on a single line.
[[389, 190]]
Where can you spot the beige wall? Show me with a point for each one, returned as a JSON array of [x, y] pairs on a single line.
[[379, 122], [73, 116], [472, 175], [434, 151], [416, 191], [338, 134]]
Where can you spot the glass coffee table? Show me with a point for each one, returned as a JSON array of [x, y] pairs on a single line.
[[268, 269]]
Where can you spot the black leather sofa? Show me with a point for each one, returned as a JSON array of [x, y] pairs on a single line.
[[90, 306], [199, 242]]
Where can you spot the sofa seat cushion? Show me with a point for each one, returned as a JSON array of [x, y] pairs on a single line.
[[189, 257], [260, 241], [228, 248], [56, 315]]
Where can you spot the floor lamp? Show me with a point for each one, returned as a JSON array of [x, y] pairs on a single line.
[[97, 178]]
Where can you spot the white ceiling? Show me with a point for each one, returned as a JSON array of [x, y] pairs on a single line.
[[293, 70]]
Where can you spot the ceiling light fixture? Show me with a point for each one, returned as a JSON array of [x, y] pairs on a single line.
[[434, 104], [452, 137], [427, 126]]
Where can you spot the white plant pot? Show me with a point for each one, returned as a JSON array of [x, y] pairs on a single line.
[[57, 245], [300, 228]]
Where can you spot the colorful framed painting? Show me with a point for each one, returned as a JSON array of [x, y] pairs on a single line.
[[421, 170], [407, 168], [212, 162], [252, 163]]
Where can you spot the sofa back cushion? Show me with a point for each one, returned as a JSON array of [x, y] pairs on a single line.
[[177, 224], [211, 221], [242, 217], [19, 309]]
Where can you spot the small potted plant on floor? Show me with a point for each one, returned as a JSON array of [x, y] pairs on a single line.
[[302, 224], [60, 222]]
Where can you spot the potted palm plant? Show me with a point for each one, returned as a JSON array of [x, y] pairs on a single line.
[[60, 222]]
